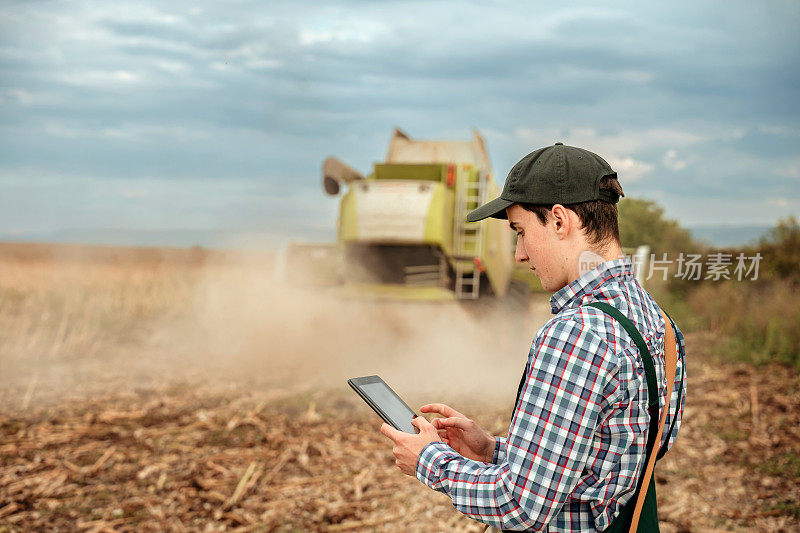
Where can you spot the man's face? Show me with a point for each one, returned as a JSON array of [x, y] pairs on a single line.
[[538, 245]]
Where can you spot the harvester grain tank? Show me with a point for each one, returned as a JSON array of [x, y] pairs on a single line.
[[402, 231]]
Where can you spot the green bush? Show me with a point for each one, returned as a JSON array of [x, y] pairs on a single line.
[[761, 320], [642, 222], [780, 249]]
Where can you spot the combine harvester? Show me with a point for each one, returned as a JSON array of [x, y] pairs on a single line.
[[402, 229]]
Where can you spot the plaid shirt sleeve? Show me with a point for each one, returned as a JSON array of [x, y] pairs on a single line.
[[500, 444], [540, 463]]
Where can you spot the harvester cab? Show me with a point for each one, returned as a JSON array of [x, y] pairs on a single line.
[[402, 231]]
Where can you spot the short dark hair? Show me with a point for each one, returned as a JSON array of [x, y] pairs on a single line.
[[598, 218]]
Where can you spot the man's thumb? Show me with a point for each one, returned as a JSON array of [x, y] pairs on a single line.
[[420, 422]]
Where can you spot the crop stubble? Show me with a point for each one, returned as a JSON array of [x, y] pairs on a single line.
[[96, 435]]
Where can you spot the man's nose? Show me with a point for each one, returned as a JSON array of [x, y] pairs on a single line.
[[519, 255]]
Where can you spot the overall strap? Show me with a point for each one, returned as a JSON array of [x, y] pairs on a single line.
[[647, 359], [649, 371], [656, 422], [663, 449]]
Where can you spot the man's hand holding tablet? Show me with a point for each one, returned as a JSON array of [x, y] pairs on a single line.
[[407, 447], [389, 406]]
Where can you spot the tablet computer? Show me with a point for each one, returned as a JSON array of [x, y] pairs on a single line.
[[385, 402]]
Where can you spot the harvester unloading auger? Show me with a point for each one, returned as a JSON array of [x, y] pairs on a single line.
[[402, 230]]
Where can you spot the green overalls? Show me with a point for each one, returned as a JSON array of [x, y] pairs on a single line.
[[648, 519]]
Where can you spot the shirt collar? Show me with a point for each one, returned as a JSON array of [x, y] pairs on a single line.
[[573, 293]]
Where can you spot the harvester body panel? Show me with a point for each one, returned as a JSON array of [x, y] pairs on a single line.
[[402, 229], [392, 211]]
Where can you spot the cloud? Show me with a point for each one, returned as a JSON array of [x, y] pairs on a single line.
[[628, 151], [672, 162], [706, 94], [22, 97], [781, 131], [357, 30], [629, 169], [100, 78], [780, 202], [791, 170]]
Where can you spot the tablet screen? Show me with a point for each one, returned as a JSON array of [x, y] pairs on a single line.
[[382, 395]]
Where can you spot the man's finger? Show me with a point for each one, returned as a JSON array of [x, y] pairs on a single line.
[[420, 422], [390, 432], [442, 409], [454, 422]]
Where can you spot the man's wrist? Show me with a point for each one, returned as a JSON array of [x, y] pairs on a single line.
[[491, 451]]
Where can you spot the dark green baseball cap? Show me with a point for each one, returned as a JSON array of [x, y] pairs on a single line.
[[551, 175]]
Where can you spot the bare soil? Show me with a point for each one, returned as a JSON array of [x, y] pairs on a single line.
[[189, 457], [170, 390]]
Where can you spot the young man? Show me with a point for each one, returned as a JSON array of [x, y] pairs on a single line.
[[576, 447]]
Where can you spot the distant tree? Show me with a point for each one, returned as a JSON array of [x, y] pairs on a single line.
[[643, 222], [780, 249]]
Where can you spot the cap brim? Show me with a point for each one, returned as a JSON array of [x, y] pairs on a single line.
[[496, 209]]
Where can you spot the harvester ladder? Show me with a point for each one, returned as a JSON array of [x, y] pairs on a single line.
[[468, 236]]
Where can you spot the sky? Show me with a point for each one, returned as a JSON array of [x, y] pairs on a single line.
[[206, 123]]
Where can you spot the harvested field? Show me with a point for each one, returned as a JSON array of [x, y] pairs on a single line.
[[122, 408]]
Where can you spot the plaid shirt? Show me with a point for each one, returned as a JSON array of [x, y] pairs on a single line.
[[577, 439]]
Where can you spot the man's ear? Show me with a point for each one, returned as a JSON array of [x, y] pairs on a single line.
[[561, 220]]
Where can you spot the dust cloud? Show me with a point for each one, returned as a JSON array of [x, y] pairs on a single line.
[[86, 323], [255, 331]]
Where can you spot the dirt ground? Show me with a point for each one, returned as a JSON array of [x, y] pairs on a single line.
[[192, 458], [148, 398]]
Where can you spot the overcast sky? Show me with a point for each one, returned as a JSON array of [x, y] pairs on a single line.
[[214, 118]]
